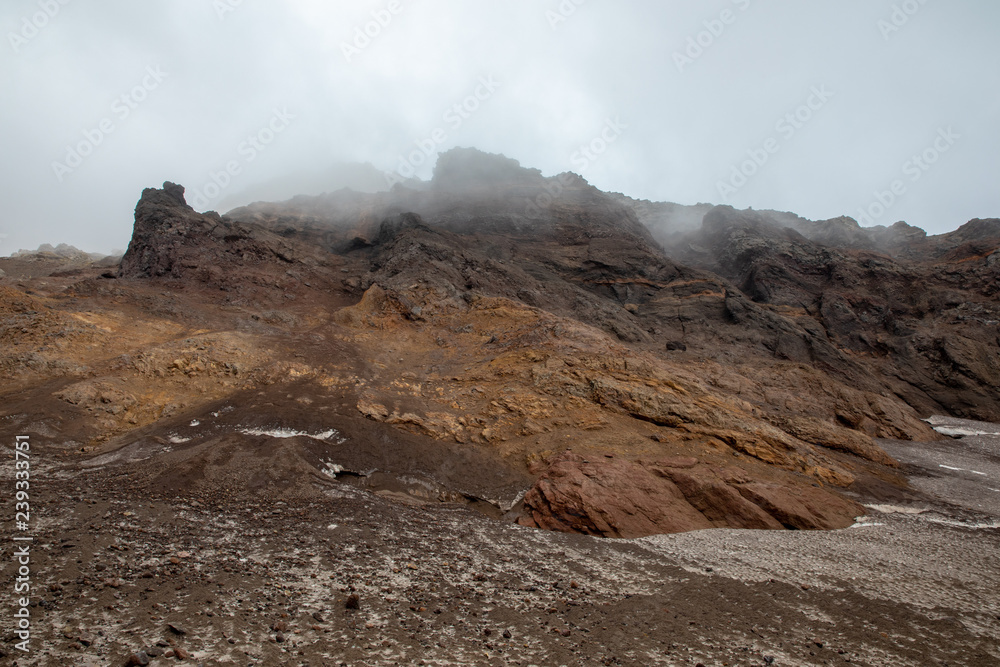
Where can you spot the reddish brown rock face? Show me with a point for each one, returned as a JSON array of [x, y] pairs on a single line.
[[464, 333], [609, 498], [618, 498]]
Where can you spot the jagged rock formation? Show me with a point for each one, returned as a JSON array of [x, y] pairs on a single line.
[[734, 374], [921, 313], [172, 240]]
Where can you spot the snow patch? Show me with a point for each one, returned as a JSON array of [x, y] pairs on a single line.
[[178, 440], [983, 525], [332, 434], [957, 432], [329, 435], [194, 422], [959, 428], [896, 509], [332, 469], [974, 472]]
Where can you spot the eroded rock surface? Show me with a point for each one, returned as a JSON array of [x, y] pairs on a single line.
[[613, 497], [497, 318]]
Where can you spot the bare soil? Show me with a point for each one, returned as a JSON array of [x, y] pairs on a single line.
[[265, 581]]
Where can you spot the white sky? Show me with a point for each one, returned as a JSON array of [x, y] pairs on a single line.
[[225, 73]]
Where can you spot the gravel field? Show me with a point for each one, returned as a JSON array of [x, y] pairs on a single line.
[[271, 582]]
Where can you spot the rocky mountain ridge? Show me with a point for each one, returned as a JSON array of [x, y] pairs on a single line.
[[593, 375]]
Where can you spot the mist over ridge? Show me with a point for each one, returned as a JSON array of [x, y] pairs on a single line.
[[744, 103]]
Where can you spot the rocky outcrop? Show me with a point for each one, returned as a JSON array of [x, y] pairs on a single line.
[[170, 239], [463, 169], [885, 307], [613, 497]]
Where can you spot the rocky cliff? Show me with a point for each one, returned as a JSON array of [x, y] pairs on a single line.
[[529, 345]]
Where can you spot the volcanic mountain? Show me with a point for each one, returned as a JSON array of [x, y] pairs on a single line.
[[549, 353]]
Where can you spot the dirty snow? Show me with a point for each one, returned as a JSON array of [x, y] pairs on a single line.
[[329, 435]]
